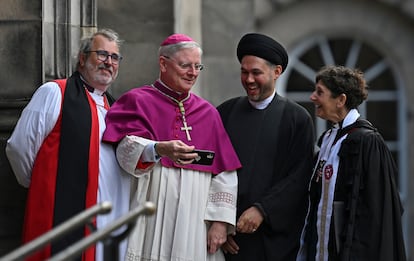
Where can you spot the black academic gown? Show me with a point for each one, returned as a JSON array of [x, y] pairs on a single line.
[[371, 221], [275, 147]]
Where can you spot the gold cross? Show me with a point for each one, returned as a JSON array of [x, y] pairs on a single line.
[[186, 129]]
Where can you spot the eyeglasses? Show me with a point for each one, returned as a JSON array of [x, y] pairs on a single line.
[[187, 66], [103, 56]]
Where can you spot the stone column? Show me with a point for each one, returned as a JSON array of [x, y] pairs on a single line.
[[187, 17]]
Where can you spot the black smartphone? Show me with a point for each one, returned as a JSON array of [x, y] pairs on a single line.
[[205, 157]]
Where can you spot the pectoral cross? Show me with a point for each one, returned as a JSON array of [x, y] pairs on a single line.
[[185, 128]]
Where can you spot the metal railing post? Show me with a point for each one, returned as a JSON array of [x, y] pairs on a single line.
[[148, 208], [59, 231], [105, 234]]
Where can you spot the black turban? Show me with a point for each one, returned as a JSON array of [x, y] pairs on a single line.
[[264, 47]]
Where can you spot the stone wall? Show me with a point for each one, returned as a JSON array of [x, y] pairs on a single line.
[[21, 68]]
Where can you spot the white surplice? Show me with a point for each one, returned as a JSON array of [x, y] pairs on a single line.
[[328, 154], [36, 122], [186, 201]]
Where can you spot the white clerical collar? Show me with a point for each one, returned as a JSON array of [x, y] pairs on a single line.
[[350, 118], [260, 105], [168, 87], [98, 92]]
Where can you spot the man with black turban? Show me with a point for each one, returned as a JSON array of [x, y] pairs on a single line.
[[274, 139]]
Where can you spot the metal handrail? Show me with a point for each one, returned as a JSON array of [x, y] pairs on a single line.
[[148, 208], [85, 217], [59, 231]]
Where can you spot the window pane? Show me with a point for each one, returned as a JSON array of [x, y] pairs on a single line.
[[298, 83], [313, 58], [367, 57], [340, 50], [384, 81]]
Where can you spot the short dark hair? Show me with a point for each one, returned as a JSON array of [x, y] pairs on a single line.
[[343, 80]]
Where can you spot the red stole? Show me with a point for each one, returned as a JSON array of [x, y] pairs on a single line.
[[40, 206]]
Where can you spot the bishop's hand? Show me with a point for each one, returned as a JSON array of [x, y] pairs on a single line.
[[216, 236], [230, 247], [177, 151]]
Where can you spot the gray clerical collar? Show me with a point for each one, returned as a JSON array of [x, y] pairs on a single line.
[[261, 105]]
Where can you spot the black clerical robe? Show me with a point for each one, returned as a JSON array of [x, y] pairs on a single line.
[[370, 226], [275, 147]]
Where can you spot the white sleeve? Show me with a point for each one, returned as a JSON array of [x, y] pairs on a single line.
[[221, 205], [35, 123], [149, 154], [130, 150]]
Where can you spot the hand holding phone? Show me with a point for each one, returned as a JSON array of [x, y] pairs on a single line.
[[205, 157]]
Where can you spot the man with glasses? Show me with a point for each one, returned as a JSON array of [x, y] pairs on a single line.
[[56, 149], [157, 128]]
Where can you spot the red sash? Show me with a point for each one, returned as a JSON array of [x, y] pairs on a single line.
[[40, 206]]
